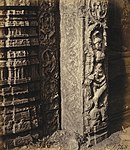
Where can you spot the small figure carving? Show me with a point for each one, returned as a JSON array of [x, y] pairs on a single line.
[[48, 62], [98, 87], [97, 44], [95, 82], [99, 82]]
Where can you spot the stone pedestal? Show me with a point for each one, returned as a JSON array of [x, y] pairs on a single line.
[[84, 68]]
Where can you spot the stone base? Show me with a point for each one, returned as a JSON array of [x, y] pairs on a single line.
[[96, 134], [13, 141], [96, 138]]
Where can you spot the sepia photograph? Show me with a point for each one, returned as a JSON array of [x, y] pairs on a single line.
[[64, 74]]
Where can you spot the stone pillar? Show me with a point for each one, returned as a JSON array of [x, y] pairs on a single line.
[[84, 68], [49, 64], [71, 66]]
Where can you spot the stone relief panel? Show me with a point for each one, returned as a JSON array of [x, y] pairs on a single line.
[[95, 72], [19, 74], [49, 63]]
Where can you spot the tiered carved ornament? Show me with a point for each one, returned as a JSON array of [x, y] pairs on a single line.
[[19, 64], [95, 72], [49, 60]]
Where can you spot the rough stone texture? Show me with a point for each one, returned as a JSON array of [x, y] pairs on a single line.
[[59, 141], [83, 72], [24, 109], [19, 3], [71, 66], [49, 64], [83, 68], [95, 71], [19, 72], [62, 139]]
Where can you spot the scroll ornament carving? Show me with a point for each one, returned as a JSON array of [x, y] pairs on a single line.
[[95, 81], [47, 39], [97, 10], [49, 61]]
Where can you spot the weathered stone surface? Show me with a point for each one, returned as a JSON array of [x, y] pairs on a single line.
[[49, 38], [95, 71], [18, 141], [83, 68], [19, 3], [19, 71], [62, 139], [9, 143], [71, 66], [22, 126]]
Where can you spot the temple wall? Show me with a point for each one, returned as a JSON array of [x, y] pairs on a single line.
[[29, 70], [57, 61], [19, 77]]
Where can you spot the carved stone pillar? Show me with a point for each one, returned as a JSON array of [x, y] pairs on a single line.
[[71, 66], [49, 64], [84, 68]]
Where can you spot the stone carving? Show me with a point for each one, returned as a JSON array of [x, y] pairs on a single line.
[[18, 23], [97, 9], [22, 42], [83, 68], [15, 54], [49, 62], [95, 79], [19, 32], [19, 75], [2, 42], [21, 2], [83, 51], [71, 66]]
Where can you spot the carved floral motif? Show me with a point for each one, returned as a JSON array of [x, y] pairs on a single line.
[[97, 9], [49, 61]]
